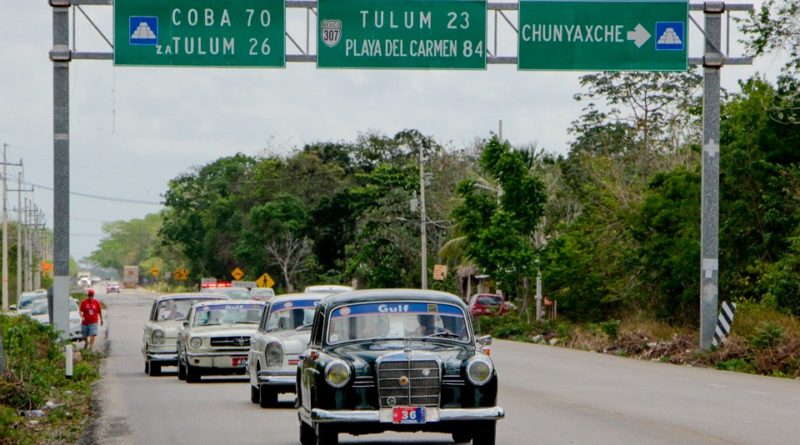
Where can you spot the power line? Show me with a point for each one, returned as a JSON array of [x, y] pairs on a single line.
[[103, 198]]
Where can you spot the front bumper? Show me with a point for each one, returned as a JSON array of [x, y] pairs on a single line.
[[219, 360], [433, 415], [167, 354], [274, 377]]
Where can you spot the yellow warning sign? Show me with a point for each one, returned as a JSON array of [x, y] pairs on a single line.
[[265, 281]]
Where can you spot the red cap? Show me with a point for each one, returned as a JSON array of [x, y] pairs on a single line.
[[90, 292]]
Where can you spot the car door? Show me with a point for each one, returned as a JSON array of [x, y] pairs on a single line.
[[255, 356], [308, 369]]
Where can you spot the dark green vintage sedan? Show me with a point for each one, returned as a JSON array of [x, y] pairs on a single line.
[[396, 360]]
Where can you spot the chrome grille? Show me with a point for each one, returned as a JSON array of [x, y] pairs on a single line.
[[230, 341], [364, 381], [420, 390]]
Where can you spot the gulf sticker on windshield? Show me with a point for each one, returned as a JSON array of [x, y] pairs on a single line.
[[237, 306], [293, 305], [396, 308]]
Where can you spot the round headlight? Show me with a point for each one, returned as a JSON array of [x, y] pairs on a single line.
[[274, 354], [157, 337], [196, 342], [479, 370], [337, 374]]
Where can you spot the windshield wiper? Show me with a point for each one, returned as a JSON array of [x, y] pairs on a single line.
[[447, 334], [304, 327]]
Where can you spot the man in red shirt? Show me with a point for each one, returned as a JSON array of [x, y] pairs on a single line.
[[91, 314]]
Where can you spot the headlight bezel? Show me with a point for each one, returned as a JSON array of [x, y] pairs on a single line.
[[157, 339], [476, 361], [341, 365], [196, 342], [277, 359]]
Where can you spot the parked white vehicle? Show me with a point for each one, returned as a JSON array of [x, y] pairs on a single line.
[[215, 338], [160, 336], [40, 313], [282, 335], [26, 300]]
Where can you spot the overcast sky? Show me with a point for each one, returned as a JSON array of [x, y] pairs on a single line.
[[133, 129]]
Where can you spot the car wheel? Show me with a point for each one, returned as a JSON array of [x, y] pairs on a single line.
[[255, 394], [268, 397], [192, 374], [462, 437], [155, 370], [181, 371], [307, 434], [146, 367], [485, 435], [325, 437]]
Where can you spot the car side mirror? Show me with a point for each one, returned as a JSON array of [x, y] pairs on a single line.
[[486, 340], [185, 324], [13, 307]]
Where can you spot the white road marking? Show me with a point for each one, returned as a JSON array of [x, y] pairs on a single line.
[[760, 393], [716, 385]]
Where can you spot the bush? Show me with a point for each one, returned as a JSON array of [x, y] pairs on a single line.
[[509, 325], [737, 365], [768, 335], [611, 328]]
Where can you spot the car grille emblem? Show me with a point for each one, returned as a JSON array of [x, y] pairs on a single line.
[[426, 372], [240, 341], [391, 401], [403, 381]]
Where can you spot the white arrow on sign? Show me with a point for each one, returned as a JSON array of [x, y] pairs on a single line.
[[639, 35]]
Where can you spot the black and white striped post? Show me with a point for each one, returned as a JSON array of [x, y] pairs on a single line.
[[724, 323]]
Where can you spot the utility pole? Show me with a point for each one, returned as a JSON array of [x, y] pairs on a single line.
[[423, 221], [20, 238], [5, 227]]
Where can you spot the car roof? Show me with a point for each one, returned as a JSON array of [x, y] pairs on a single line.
[[329, 288], [221, 301], [193, 296], [298, 297], [361, 296]]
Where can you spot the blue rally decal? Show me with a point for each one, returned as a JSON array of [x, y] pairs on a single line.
[[299, 304], [396, 307]]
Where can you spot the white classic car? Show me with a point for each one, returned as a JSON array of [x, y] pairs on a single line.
[[39, 312], [282, 334], [215, 338], [160, 336]]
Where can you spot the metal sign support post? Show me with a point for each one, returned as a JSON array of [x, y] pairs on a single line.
[[61, 56]]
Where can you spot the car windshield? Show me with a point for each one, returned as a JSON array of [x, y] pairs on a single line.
[[490, 300], [177, 309], [262, 293], [216, 314], [397, 320], [236, 294], [287, 315], [26, 300], [40, 308]]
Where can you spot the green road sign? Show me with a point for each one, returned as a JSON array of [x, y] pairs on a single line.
[[402, 34], [615, 35], [243, 33]]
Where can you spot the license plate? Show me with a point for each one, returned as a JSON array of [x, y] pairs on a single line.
[[239, 361], [408, 414]]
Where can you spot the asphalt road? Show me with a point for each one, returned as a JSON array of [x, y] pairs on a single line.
[[551, 396]]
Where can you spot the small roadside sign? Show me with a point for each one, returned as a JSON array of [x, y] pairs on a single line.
[[46, 266], [181, 274], [265, 281], [154, 271], [237, 273], [439, 272]]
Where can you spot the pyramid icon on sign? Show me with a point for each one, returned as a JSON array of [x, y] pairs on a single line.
[[143, 32], [669, 37]]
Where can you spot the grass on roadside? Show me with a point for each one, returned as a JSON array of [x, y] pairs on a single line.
[[38, 404]]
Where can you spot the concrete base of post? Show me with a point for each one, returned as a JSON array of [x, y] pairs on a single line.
[[68, 361]]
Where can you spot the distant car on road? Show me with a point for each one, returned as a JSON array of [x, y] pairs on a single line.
[[215, 338], [283, 333], [327, 289], [396, 360], [159, 339], [262, 293], [487, 304], [234, 293], [112, 286]]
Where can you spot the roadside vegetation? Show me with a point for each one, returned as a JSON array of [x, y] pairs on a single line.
[[38, 404], [613, 223]]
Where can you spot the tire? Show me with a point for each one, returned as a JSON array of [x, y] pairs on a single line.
[[462, 437], [192, 374], [325, 437], [181, 371], [155, 370], [307, 434], [255, 395], [146, 367], [268, 398], [485, 434]]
